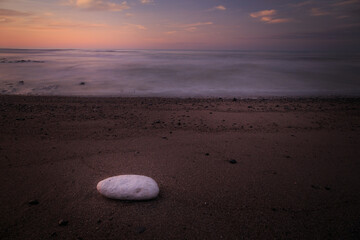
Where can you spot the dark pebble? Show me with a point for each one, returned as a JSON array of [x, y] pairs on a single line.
[[34, 202], [207, 154], [315, 187], [21, 82], [140, 229], [82, 83], [63, 222], [327, 188], [234, 99], [233, 161]]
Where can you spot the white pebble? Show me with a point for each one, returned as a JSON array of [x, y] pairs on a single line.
[[129, 187]]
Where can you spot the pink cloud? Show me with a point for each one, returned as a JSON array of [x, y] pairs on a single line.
[[267, 16], [318, 12], [263, 13], [99, 5]]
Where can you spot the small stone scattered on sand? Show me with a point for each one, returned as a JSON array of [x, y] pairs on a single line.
[[33, 202], [315, 187], [140, 229], [63, 222], [233, 161]]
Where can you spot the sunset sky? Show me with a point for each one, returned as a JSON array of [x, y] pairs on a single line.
[[181, 24]]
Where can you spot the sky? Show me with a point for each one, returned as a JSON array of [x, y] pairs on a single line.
[[181, 24]]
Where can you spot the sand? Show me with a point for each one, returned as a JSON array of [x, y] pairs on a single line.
[[296, 176]]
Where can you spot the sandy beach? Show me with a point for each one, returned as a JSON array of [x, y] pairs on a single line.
[[296, 174]]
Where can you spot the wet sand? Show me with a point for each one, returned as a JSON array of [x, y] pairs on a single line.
[[296, 174]]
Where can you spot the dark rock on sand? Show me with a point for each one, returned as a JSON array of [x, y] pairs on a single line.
[[140, 229], [82, 83], [33, 202], [315, 187], [63, 222], [232, 161]]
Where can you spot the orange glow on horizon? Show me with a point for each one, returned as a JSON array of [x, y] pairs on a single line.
[[155, 24]]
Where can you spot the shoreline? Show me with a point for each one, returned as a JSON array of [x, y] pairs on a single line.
[[296, 171], [255, 97]]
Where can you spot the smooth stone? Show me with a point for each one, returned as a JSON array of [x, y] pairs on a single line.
[[128, 187]]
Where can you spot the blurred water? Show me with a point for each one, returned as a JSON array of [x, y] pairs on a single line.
[[177, 73]]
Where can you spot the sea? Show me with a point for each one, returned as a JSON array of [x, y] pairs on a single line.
[[178, 73]]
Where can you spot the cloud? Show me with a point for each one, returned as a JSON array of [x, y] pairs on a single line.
[[279, 20], [343, 3], [318, 12], [196, 24], [43, 21], [216, 8], [343, 17], [267, 16], [301, 4], [63, 24], [10, 13], [192, 27], [5, 20], [263, 13], [146, 1], [140, 27], [10, 16], [49, 14], [99, 5], [220, 7], [131, 26], [171, 32]]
